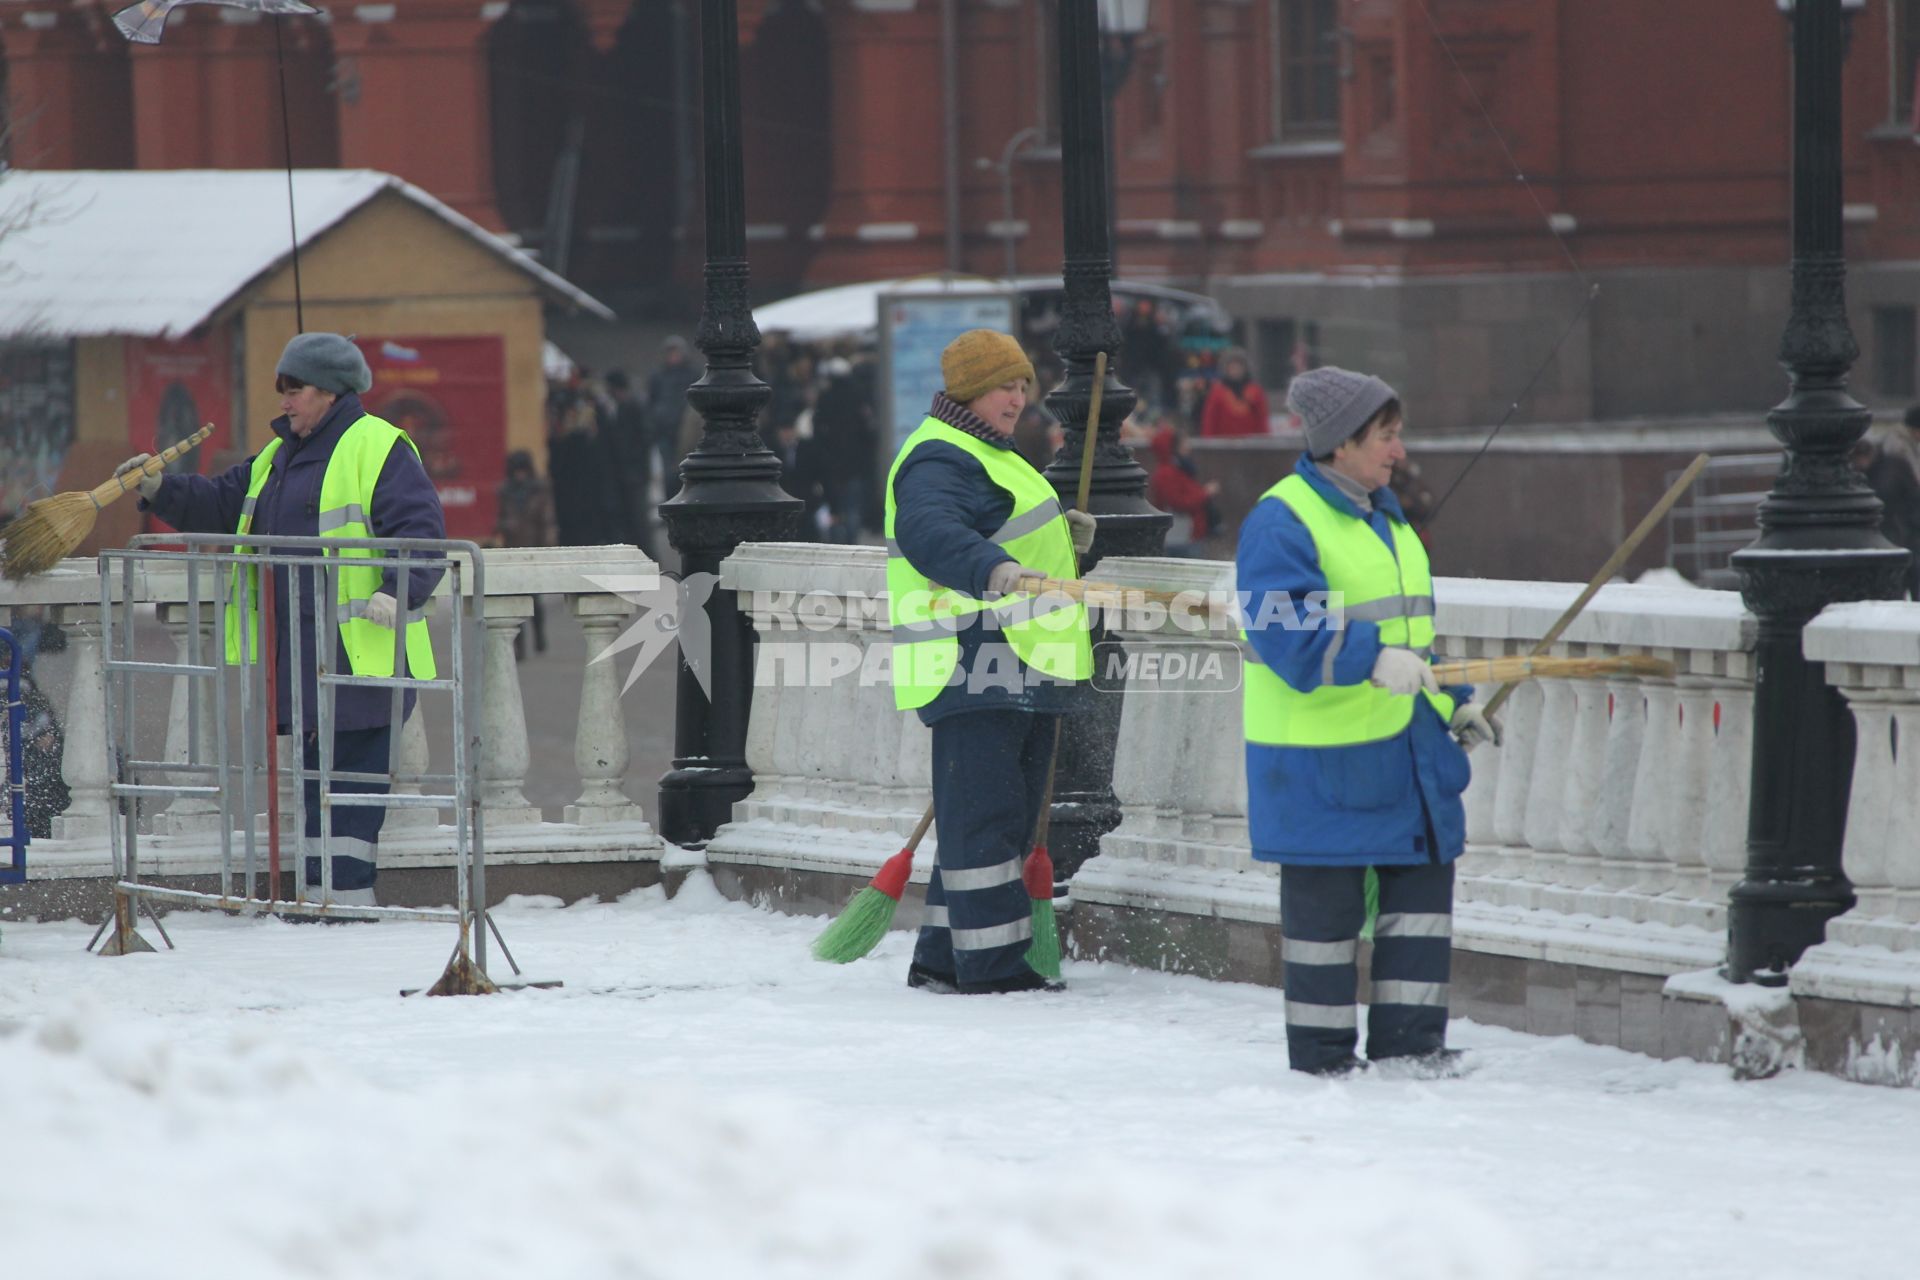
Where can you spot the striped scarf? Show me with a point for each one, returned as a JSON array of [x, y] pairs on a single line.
[[956, 415]]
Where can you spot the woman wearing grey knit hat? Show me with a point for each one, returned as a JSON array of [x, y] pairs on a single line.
[[331, 470], [1356, 758]]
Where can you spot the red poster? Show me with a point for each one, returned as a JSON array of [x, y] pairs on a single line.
[[174, 388], [450, 396]]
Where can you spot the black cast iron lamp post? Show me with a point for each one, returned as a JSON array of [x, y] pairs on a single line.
[[730, 491], [1819, 544]]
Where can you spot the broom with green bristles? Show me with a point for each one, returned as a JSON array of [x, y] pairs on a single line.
[[52, 527], [859, 928]]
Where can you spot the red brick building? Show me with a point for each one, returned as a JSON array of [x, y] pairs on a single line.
[[1343, 174]]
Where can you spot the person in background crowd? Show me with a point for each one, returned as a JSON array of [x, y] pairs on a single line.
[[524, 518], [633, 451], [1356, 758], [1236, 406], [574, 461], [1175, 488], [326, 449], [667, 405], [1893, 472], [846, 445], [43, 753]]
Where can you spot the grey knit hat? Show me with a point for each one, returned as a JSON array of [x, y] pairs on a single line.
[[1334, 404], [327, 361]]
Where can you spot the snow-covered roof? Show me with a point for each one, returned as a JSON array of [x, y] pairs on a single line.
[[155, 253]]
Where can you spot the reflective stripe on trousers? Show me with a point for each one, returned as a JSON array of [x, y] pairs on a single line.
[[989, 770]]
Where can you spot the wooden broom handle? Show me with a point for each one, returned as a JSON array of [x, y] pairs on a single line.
[[1607, 570], [920, 828], [1093, 429], [118, 486]]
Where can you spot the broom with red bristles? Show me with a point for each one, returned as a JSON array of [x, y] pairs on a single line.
[[859, 928]]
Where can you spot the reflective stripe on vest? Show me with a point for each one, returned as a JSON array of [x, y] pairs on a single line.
[[1391, 588], [346, 491], [1047, 633]]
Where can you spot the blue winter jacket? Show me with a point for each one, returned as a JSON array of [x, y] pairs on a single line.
[[945, 510], [405, 505], [1387, 803]]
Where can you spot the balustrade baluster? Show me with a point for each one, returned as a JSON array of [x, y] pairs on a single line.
[[1552, 754], [1614, 804], [600, 741], [1866, 853], [1515, 781], [1652, 797], [1585, 765], [1903, 819], [504, 755], [1683, 838], [84, 763], [1729, 783]]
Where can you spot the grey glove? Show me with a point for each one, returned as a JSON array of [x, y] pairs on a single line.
[[382, 609], [1006, 576], [1403, 672], [1083, 527], [149, 486], [1472, 726]]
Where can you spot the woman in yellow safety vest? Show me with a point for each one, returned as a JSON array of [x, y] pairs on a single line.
[[1352, 758], [987, 666], [332, 470]]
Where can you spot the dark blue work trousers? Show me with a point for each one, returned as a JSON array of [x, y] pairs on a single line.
[[1321, 912], [355, 833], [989, 779]]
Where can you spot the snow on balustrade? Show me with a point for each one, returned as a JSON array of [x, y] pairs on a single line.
[[180, 838], [1872, 656]]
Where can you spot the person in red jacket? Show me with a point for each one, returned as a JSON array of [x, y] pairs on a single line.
[[1175, 489], [1236, 406]]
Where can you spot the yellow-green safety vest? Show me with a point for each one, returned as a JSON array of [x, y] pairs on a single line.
[[1391, 588], [1046, 633], [346, 491]]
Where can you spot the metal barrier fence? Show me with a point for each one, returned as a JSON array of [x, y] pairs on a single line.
[[13, 815], [231, 748]]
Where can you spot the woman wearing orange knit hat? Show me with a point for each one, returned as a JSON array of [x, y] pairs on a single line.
[[988, 666]]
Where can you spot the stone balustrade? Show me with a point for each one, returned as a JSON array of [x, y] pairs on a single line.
[[1872, 953], [179, 839]]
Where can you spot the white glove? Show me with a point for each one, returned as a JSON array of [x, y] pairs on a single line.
[[1403, 672], [1471, 726], [149, 486], [1006, 576], [1083, 527], [382, 609]]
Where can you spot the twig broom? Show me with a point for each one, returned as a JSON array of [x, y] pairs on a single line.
[[52, 527]]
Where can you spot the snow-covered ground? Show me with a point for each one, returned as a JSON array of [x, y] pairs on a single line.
[[702, 1100]]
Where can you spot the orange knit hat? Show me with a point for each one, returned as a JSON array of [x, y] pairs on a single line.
[[979, 360]]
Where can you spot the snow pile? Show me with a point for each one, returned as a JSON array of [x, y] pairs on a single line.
[[263, 1162]]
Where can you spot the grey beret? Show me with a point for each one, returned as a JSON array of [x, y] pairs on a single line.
[[1334, 404], [327, 361]]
